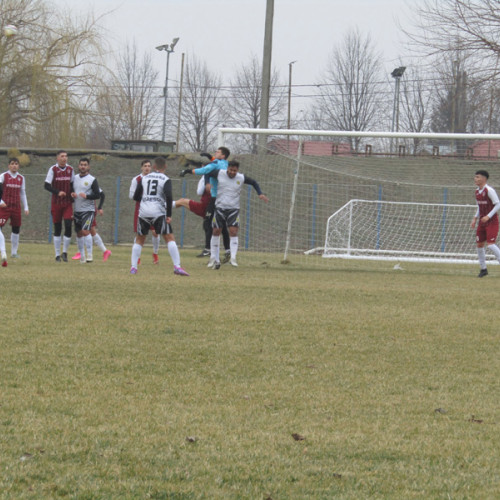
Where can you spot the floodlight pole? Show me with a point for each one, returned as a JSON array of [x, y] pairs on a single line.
[[168, 48], [396, 74]]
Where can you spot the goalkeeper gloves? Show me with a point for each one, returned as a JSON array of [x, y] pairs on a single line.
[[206, 155], [186, 171]]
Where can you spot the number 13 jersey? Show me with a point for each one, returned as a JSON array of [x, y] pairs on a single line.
[[156, 198]]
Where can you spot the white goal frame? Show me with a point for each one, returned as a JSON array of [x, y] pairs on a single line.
[[462, 246]]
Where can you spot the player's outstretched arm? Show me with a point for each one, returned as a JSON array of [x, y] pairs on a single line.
[[255, 185]]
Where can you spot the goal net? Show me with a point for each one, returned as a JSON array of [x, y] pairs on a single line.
[[313, 179], [388, 230]]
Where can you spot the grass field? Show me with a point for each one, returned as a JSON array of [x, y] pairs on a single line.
[[261, 382]]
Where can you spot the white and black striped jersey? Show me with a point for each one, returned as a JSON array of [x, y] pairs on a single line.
[[229, 189], [155, 194], [88, 185]]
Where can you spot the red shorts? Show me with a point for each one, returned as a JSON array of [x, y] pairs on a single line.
[[487, 232], [200, 207], [60, 212], [12, 213]]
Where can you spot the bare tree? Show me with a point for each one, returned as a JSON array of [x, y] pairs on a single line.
[[200, 108], [127, 105], [242, 109], [416, 104], [349, 89], [47, 71], [471, 26]]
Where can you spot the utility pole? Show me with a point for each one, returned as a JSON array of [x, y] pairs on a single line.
[[180, 106], [266, 71]]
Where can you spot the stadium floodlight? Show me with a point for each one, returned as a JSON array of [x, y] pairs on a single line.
[[397, 73], [168, 48]]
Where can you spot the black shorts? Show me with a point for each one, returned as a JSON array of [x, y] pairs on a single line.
[[226, 218], [159, 224], [83, 220]]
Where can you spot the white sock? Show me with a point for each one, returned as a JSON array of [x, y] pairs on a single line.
[[66, 243], [481, 253], [88, 246], [98, 242], [14, 243], [57, 245], [2, 242], [495, 250], [136, 254], [81, 246], [173, 204], [174, 253], [233, 245], [215, 248], [156, 244]]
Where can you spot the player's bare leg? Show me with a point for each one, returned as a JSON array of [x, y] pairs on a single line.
[[183, 202]]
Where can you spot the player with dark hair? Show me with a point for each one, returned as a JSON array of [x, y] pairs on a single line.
[[145, 169], [219, 162], [59, 182], [488, 205], [227, 208], [96, 238], [86, 190], [12, 193], [154, 191]]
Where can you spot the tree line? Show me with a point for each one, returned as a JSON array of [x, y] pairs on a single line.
[[59, 88]]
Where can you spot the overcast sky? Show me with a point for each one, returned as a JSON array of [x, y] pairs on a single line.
[[226, 33]]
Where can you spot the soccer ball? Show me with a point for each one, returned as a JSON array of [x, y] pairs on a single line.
[[9, 30]]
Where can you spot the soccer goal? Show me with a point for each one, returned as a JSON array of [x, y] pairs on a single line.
[[392, 195], [389, 230]]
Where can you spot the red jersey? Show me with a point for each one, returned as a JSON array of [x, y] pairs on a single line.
[[12, 186], [486, 199], [61, 179]]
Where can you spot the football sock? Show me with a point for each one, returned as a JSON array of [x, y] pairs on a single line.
[[81, 247], [156, 244], [233, 243], [494, 248], [57, 245], [174, 253], [481, 253], [66, 242], [2, 242], [136, 254], [14, 241], [98, 242], [215, 248], [88, 246]]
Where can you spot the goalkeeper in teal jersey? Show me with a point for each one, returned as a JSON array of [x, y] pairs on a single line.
[[219, 162]]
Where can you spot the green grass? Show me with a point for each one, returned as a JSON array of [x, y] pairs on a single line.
[[164, 387]]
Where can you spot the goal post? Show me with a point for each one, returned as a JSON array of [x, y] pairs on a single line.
[[309, 175], [386, 230]]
